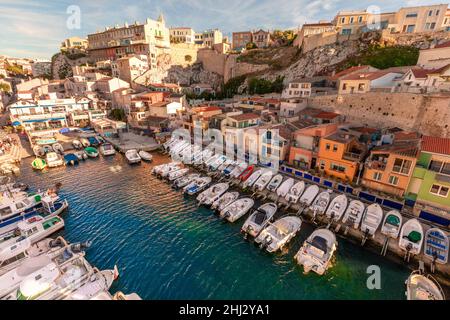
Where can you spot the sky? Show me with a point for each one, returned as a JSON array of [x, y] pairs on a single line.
[[35, 28]]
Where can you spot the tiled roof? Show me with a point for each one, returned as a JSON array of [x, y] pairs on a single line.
[[423, 73], [404, 136], [326, 115], [325, 24], [159, 104], [436, 145], [365, 75], [245, 116], [348, 71], [443, 45], [205, 109], [404, 148]]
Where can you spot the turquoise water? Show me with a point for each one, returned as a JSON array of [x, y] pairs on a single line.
[[167, 248]]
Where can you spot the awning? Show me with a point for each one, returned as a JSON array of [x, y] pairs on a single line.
[[44, 120], [16, 123]]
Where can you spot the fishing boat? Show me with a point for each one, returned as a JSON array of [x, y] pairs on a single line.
[[295, 193], [107, 149], [77, 145], [213, 193], [53, 160], [58, 148], [354, 213], [436, 245], [146, 156], [317, 251], [337, 208], [197, 185], [278, 234], [238, 170], [177, 174], [246, 173], [225, 200], [411, 237], [81, 155], [275, 183], [39, 164], [252, 179], [132, 156], [392, 224], [91, 152], [259, 218], [237, 209], [184, 181], [263, 180], [38, 151], [71, 159], [309, 195], [284, 188], [14, 254], [85, 142], [372, 219], [320, 204], [423, 287]]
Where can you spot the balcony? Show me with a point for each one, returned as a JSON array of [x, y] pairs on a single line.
[[350, 156], [375, 165]]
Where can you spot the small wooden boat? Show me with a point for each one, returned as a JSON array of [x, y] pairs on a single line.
[[423, 287], [411, 237], [392, 224], [54, 160], [372, 219], [38, 151], [39, 164], [107, 149], [317, 251], [91, 152], [354, 213], [93, 141], [71, 159], [337, 207], [146, 156], [77, 144], [58, 148], [275, 183], [436, 245], [81, 155]]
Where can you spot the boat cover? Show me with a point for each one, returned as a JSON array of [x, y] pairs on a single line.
[[320, 243]]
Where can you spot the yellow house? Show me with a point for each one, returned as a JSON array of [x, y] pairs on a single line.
[[351, 22]]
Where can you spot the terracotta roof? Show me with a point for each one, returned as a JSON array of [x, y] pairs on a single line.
[[205, 109], [325, 24], [403, 136], [436, 145], [348, 71], [364, 129], [159, 104], [420, 73], [245, 116], [366, 76], [327, 115], [405, 148], [443, 45], [310, 112]]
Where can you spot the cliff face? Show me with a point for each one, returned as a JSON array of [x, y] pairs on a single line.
[[62, 65]]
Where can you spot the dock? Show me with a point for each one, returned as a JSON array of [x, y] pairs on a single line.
[[128, 141]]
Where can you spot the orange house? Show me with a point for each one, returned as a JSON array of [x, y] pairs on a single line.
[[303, 152], [340, 155], [389, 168]]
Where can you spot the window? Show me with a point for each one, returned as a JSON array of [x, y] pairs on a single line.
[[437, 12], [430, 13], [344, 86], [327, 146], [347, 31], [343, 20], [322, 165], [433, 25], [351, 19], [393, 180], [336, 167], [411, 15], [360, 18], [440, 167], [439, 190], [377, 176], [335, 147], [362, 87], [402, 166]]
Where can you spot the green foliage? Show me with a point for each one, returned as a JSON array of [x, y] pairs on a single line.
[[284, 37], [385, 57], [250, 46], [118, 115], [15, 70], [75, 56], [5, 87], [188, 58], [230, 88], [262, 86]]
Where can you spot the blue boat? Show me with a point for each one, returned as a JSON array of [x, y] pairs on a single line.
[[436, 245], [93, 141], [71, 159]]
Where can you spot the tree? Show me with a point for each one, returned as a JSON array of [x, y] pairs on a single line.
[[5, 87], [250, 46], [118, 115], [188, 58]]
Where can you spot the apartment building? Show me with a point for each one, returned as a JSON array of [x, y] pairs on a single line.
[[209, 38], [182, 35], [72, 43], [261, 38], [150, 38], [130, 67], [312, 29], [297, 89], [351, 22], [241, 39], [41, 68], [421, 18], [365, 82]]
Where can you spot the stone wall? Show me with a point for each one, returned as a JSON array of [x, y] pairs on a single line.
[[180, 51], [428, 114]]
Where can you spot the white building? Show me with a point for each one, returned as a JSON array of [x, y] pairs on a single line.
[[41, 68], [297, 89], [182, 35], [209, 38]]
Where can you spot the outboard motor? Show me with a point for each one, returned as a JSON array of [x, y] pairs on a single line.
[[67, 254], [55, 243], [80, 246]]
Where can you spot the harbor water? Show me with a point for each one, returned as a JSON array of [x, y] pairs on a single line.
[[166, 247]]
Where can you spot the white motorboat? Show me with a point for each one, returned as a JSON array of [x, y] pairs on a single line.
[[200, 158], [354, 213], [211, 160], [372, 219], [229, 169], [38, 151], [237, 209], [166, 145], [132, 156], [197, 185], [53, 160], [295, 192], [81, 155], [58, 148], [228, 162], [85, 142], [107, 149], [411, 237], [263, 180], [32, 230], [225, 200], [317, 251], [105, 295], [238, 170], [276, 235], [284, 188], [259, 218], [77, 144], [177, 174], [423, 287], [275, 183], [170, 169], [14, 254], [252, 179], [436, 245], [309, 195], [158, 170], [216, 164], [392, 224], [213, 193], [185, 180], [320, 204], [337, 207], [99, 281]]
